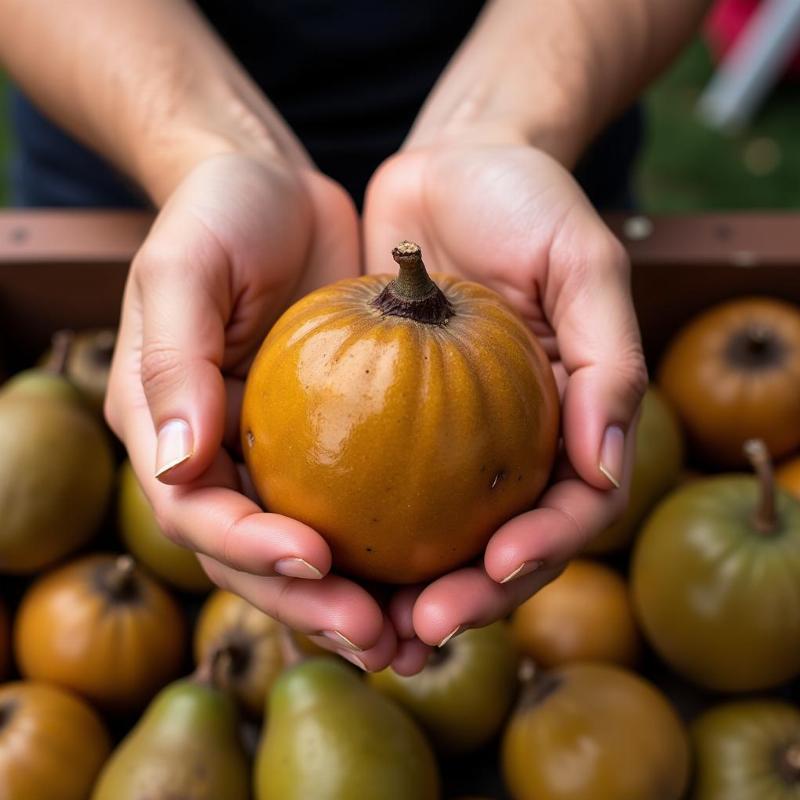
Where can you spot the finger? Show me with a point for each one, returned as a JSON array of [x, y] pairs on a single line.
[[181, 272], [411, 658], [335, 609], [569, 514], [212, 517], [469, 598], [589, 303], [401, 608]]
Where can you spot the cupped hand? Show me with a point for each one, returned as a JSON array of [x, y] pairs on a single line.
[[236, 242], [509, 216]]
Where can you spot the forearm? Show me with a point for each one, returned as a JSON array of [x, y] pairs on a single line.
[[146, 83], [554, 72]]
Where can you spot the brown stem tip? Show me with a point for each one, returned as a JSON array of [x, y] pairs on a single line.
[[412, 294], [765, 518], [60, 349]]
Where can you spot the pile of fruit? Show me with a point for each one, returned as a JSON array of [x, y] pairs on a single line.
[[660, 665]]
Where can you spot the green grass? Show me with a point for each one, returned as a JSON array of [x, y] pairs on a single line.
[[684, 166]]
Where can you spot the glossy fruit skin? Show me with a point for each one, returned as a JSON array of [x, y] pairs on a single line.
[[53, 745], [226, 620], [5, 642], [717, 599], [585, 614], [405, 445], [185, 747], [116, 654], [364, 744], [737, 746], [720, 403], [143, 538], [601, 733], [462, 701], [56, 474], [657, 467]]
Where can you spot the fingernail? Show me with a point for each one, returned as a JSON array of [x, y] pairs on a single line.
[[175, 445], [353, 659], [297, 568], [612, 454], [525, 568], [340, 639], [458, 629]]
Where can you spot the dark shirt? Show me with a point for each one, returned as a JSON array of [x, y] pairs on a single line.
[[349, 78]]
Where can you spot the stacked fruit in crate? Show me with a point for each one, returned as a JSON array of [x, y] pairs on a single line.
[[658, 665]]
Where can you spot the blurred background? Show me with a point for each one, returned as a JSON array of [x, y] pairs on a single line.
[[686, 165]]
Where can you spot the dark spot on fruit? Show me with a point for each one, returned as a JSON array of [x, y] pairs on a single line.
[[251, 440], [499, 476], [483, 467], [366, 371], [369, 549], [519, 478], [375, 519]]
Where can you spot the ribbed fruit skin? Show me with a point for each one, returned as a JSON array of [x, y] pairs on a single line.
[[405, 445]]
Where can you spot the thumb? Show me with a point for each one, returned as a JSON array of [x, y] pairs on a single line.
[[600, 348], [182, 282]]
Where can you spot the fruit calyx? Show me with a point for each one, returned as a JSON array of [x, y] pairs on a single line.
[[755, 347], [765, 518], [412, 294], [789, 763], [119, 580], [218, 669], [102, 349]]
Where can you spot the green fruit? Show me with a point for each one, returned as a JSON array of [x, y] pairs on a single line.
[[463, 694], [56, 472], [657, 466], [715, 577], [330, 736], [748, 750], [143, 538], [185, 746]]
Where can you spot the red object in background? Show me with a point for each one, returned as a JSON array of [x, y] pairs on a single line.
[[725, 23]]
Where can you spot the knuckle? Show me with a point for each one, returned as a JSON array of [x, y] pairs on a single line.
[[161, 369]]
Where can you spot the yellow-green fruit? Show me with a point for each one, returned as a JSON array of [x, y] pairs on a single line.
[[52, 744], [331, 736], [185, 747], [748, 750], [657, 468], [464, 692], [715, 576], [403, 423], [56, 474], [143, 538], [594, 732]]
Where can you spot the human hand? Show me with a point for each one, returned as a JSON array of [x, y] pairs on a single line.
[[509, 216], [235, 243]]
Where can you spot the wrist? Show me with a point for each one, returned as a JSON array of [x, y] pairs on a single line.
[[164, 154]]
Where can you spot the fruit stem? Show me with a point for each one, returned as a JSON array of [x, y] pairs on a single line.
[[60, 347], [120, 579], [103, 349], [412, 294], [290, 652], [765, 518]]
